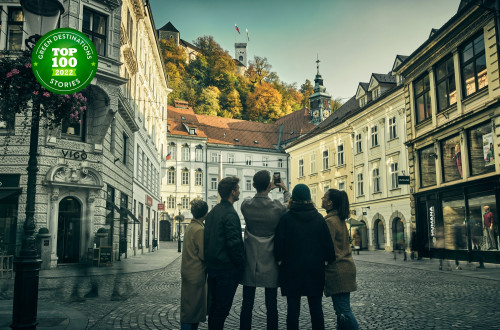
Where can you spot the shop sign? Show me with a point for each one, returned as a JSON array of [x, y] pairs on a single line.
[[432, 220], [74, 154], [403, 179], [161, 207], [149, 200]]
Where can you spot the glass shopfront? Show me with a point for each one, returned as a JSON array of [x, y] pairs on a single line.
[[460, 222]]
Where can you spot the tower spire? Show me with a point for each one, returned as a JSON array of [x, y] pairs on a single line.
[[317, 63]]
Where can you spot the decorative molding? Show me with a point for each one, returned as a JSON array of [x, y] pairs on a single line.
[[77, 176]]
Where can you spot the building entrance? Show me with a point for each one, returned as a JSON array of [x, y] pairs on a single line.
[[68, 231], [379, 235], [398, 234]]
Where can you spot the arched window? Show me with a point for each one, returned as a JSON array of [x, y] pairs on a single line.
[[185, 176], [171, 175], [198, 177]]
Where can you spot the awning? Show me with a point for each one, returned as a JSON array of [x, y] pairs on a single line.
[[9, 192], [130, 215], [355, 223]]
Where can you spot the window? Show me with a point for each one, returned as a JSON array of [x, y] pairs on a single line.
[[301, 168], [340, 155], [185, 202], [214, 157], [360, 185], [265, 161], [313, 163], [362, 102], [325, 160], [359, 144], [130, 28], [451, 159], [199, 154], [445, 82], [76, 130], [171, 202], [185, 177], [248, 184], [374, 130], [94, 26], [15, 28], [474, 73], [110, 200], [481, 149], [326, 186], [341, 185], [376, 180], [375, 93], [314, 193], [198, 178], [427, 166], [213, 183], [280, 163], [392, 128], [171, 176], [230, 158], [185, 153], [422, 94], [248, 160], [125, 148], [172, 150], [394, 175]]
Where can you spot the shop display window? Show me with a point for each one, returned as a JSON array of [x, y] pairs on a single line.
[[427, 161], [483, 221], [453, 208], [451, 159], [481, 149]]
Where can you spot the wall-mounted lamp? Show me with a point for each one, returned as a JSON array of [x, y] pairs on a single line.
[[365, 209]]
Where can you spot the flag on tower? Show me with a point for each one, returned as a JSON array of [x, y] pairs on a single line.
[[236, 28], [248, 36]]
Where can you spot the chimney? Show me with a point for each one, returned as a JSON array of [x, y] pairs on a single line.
[[181, 104]]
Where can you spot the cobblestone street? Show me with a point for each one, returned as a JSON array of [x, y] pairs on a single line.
[[391, 295]]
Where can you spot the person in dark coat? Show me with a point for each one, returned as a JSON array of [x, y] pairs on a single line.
[[224, 255], [262, 215], [302, 248], [340, 278]]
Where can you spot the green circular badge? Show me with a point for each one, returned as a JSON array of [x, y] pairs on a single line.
[[64, 61]]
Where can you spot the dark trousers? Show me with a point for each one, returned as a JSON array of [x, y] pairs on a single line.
[[222, 285], [247, 307], [315, 310]]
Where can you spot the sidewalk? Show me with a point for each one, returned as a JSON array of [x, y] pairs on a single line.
[[62, 316], [490, 271]]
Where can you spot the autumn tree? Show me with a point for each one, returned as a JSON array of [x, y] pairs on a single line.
[[264, 103], [336, 103], [307, 90], [208, 103], [231, 104], [259, 70]]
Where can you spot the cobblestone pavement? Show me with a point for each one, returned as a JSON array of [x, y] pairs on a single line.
[[389, 297]]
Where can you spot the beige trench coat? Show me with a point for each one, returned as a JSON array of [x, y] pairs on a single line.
[[340, 275], [193, 275]]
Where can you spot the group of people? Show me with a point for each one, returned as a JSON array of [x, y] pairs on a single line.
[[290, 246]]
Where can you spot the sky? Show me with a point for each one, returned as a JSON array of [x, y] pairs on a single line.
[[352, 38]]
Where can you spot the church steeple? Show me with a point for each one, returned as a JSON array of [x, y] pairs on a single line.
[[320, 99]]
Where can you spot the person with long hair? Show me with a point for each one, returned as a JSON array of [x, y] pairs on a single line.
[[340, 275], [302, 246]]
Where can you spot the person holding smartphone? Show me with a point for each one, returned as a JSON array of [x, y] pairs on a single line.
[[262, 215]]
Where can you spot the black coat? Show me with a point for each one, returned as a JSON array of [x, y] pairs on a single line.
[[223, 243], [303, 244]]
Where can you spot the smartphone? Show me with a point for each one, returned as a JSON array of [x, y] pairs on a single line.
[[277, 178]]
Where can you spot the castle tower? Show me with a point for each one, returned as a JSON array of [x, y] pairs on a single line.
[[240, 52], [320, 100]]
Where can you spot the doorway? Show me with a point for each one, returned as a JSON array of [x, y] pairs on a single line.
[[379, 235], [165, 230], [398, 234], [68, 230]]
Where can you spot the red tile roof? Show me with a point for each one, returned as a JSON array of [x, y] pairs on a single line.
[[175, 121], [295, 124]]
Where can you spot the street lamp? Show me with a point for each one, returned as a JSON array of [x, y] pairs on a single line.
[[41, 16], [179, 206]]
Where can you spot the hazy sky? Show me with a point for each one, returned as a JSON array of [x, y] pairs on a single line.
[[353, 38]]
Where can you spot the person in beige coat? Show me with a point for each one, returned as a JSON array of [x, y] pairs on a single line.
[[193, 270], [340, 275]]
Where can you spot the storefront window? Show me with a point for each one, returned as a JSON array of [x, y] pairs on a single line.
[[481, 150], [427, 160], [451, 159], [483, 221], [455, 237]]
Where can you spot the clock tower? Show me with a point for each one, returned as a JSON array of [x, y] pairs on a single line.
[[320, 100]]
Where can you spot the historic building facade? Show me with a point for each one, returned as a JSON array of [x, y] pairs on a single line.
[[452, 107], [145, 96]]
